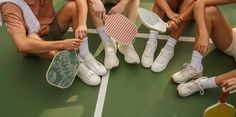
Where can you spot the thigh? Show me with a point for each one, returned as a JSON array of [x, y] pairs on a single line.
[[110, 1], [221, 33], [56, 32]]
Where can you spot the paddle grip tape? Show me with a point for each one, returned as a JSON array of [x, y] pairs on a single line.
[[223, 97]]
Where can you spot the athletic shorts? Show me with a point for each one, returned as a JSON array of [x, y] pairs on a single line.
[[110, 1], [56, 32], [232, 48]]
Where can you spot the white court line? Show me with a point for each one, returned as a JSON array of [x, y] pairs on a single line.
[[101, 95], [145, 35]]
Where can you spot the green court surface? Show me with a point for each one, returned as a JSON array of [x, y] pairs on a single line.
[[132, 90]]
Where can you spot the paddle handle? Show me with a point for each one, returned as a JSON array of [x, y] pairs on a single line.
[[223, 97]]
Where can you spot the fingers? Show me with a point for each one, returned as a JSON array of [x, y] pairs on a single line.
[[172, 25], [111, 12], [229, 85]]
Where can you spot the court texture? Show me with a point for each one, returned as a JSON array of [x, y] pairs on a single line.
[[126, 91]]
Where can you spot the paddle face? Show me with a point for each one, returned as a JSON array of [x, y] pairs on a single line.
[[220, 110], [63, 69], [152, 20], [121, 29]]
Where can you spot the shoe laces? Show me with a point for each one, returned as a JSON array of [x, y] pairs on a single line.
[[198, 85], [187, 68]]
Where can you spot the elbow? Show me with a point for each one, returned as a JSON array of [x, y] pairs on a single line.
[[23, 50]]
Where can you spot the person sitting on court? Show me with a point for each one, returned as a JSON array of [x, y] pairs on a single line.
[[97, 12], [208, 17], [178, 13], [49, 38]]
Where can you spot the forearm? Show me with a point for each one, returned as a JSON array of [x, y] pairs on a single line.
[[187, 15], [82, 8], [41, 47], [199, 15], [33, 44], [218, 2], [163, 5]]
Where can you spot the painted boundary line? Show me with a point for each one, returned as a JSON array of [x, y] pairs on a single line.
[[101, 95], [145, 35]]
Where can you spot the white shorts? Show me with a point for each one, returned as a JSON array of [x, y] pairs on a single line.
[[232, 48], [110, 1]]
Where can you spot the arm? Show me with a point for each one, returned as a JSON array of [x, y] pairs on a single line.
[[33, 44], [188, 14], [199, 10], [82, 9], [203, 38], [166, 8]]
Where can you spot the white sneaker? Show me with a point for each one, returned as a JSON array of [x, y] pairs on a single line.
[[94, 65], [187, 89], [162, 60], [189, 72], [88, 76], [129, 53], [110, 60], [148, 54]]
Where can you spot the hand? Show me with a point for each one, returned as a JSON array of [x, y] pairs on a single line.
[[229, 86], [202, 43], [172, 25], [118, 9], [81, 32], [174, 17], [71, 44], [99, 9]]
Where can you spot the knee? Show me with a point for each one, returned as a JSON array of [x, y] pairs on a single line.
[[134, 2], [71, 7], [211, 11]]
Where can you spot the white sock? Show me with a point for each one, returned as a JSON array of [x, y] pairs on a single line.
[[196, 60], [153, 37], [103, 35], [84, 49], [170, 45], [208, 83]]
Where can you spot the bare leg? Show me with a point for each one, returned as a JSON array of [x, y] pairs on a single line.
[[221, 34], [96, 20], [131, 10], [67, 15]]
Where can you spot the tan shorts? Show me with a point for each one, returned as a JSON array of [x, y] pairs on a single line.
[[232, 48], [110, 1]]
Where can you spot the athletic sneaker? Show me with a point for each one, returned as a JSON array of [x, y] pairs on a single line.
[[129, 53], [88, 76], [94, 65], [187, 89], [162, 60], [188, 73], [148, 54], [111, 60]]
